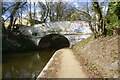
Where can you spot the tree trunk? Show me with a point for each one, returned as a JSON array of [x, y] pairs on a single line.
[[47, 11], [30, 15], [21, 17], [99, 18], [3, 26], [14, 23], [93, 29], [34, 12], [12, 14], [104, 30]]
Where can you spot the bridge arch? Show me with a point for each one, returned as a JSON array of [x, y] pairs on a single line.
[[53, 41]]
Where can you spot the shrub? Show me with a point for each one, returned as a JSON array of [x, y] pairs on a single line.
[[35, 34]]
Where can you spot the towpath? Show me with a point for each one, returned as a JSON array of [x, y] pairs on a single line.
[[67, 66], [70, 67]]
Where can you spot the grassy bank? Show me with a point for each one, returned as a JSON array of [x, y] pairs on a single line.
[[82, 43], [99, 57]]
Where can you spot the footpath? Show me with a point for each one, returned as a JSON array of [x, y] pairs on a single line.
[[63, 65]]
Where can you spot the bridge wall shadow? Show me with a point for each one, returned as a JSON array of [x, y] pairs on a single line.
[[53, 41]]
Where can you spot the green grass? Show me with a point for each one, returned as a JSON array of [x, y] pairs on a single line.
[[81, 43], [114, 53], [94, 66]]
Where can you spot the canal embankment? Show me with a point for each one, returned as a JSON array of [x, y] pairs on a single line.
[[52, 67], [63, 64], [90, 58], [99, 57]]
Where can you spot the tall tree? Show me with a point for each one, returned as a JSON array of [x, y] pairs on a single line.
[[99, 18], [13, 13], [34, 12], [112, 17], [30, 14], [11, 9]]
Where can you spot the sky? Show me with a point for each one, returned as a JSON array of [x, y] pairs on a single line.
[[74, 3], [61, 0]]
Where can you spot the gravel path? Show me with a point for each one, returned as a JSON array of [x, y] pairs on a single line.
[[63, 65], [70, 67]]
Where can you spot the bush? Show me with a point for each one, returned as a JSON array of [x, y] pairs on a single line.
[[17, 44], [35, 34], [112, 25]]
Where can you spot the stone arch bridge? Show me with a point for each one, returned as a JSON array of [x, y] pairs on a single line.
[[73, 32]]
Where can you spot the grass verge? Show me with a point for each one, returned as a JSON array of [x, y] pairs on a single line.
[[83, 42]]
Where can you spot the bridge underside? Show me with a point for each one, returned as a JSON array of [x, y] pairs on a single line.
[[53, 41]]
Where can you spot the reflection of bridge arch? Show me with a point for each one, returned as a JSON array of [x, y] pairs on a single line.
[[55, 41]]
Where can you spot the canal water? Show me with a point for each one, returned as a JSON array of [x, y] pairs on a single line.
[[30, 64], [24, 65]]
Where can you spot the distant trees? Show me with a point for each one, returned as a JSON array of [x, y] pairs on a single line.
[[63, 11], [13, 14], [32, 14], [12, 40], [10, 9], [107, 24], [56, 11], [99, 23]]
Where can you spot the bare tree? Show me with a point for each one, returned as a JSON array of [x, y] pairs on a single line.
[[14, 9], [13, 13], [34, 12]]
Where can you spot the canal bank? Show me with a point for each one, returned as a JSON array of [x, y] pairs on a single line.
[[49, 71], [63, 64], [91, 58], [99, 57]]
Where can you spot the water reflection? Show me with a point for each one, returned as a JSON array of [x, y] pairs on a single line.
[[24, 65]]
